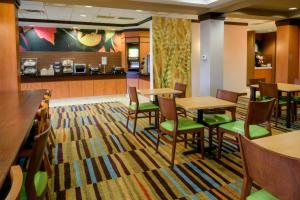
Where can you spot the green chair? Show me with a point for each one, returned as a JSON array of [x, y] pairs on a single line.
[[277, 174], [35, 182], [178, 127], [212, 121], [135, 108], [259, 112]]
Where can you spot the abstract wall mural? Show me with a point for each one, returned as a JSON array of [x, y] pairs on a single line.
[[63, 39], [171, 52]]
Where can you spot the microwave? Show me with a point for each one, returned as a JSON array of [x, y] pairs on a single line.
[[79, 68]]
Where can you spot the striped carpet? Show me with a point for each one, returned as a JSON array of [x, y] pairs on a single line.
[[96, 157]]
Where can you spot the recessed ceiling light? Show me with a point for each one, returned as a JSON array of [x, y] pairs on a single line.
[[59, 4], [87, 6], [293, 8], [83, 15], [139, 10]]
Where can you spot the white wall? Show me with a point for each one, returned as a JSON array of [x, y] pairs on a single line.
[[195, 59], [235, 58]]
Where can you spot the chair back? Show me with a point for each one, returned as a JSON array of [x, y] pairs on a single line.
[[133, 95], [277, 173], [297, 81], [39, 145], [182, 88], [254, 81], [227, 95], [16, 177], [42, 116], [268, 90], [259, 112], [167, 108]]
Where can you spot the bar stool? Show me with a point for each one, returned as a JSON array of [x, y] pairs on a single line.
[[16, 178]]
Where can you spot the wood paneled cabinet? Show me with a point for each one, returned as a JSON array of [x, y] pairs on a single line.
[[80, 88]]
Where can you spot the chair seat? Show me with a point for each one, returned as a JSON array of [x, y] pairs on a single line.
[[184, 124], [40, 184], [144, 106], [214, 119], [261, 195], [238, 127]]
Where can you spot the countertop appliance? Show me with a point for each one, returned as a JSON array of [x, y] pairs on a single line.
[[94, 70], [67, 65], [29, 66], [57, 68], [79, 68], [117, 70], [133, 56]]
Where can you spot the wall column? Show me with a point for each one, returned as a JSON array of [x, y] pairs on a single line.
[[287, 50], [211, 53], [9, 47]]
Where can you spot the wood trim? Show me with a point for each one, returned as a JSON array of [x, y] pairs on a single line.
[[47, 21], [250, 54], [236, 23], [295, 22], [211, 15]]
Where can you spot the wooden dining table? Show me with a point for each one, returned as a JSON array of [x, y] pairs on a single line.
[[282, 87], [203, 103], [18, 111], [285, 143], [158, 91]]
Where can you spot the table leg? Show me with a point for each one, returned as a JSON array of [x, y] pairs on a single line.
[[200, 116], [288, 111], [253, 93]]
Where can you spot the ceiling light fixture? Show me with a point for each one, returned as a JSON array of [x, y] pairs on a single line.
[[87, 6], [139, 10], [83, 15], [293, 8]]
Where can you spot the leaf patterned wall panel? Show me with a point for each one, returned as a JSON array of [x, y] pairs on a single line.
[[171, 52]]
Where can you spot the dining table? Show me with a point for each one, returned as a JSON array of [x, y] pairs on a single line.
[[282, 87], [285, 143], [158, 91], [18, 111], [201, 104]]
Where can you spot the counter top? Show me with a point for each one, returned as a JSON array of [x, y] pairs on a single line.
[[85, 76]]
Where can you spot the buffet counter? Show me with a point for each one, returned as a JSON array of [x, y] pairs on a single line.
[[77, 85]]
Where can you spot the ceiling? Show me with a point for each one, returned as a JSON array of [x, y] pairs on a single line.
[[259, 14]]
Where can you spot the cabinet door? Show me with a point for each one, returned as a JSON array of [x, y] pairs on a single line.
[[60, 89], [31, 86], [75, 88], [121, 86], [133, 82], [110, 86], [98, 87], [87, 88]]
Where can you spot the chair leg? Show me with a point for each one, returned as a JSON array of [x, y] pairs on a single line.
[[276, 113], [185, 142], [246, 189], [127, 119], [200, 143], [157, 142], [210, 136], [135, 122], [149, 117], [220, 141], [173, 150], [157, 119]]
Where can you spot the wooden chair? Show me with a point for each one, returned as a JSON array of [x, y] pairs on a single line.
[[212, 121], [135, 108], [296, 100], [259, 112], [16, 178], [177, 127], [256, 81], [270, 90], [35, 181], [182, 88], [277, 174]]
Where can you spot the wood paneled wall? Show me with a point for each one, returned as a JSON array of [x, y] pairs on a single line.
[[250, 54], [94, 58], [9, 42]]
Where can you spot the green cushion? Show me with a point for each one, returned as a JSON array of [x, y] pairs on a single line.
[[238, 127], [144, 106], [261, 195], [296, 98], [213, 119], [184, 124], [40, 184]]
